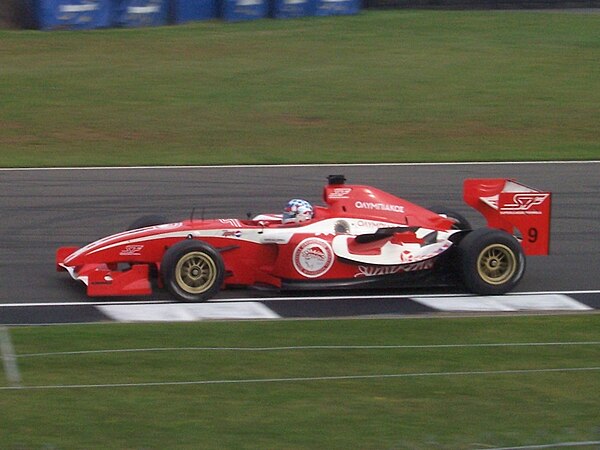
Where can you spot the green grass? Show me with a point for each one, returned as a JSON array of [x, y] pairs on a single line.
[[381, 86], [377, 87], [417, 412]]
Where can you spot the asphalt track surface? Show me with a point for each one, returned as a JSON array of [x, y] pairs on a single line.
[[42, 210]]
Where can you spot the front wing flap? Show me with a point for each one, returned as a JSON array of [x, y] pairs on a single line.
[[103, 280]]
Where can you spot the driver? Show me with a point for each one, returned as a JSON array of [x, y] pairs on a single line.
[[296, 211]]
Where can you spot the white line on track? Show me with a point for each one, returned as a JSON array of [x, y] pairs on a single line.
[[393, 296], [540, 446], [289, 298], [314, 347], [271, 166], [128, 302], [306, 379]]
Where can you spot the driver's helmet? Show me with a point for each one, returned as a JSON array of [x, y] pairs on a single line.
[[296, 211]]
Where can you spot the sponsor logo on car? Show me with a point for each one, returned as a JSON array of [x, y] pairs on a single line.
[[313, 257], [132, 250], [372, 224], [379, 206], [340, 193], [234, 233], [375, 271], [522, 204]]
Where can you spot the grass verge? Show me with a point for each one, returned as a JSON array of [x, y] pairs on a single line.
[[377, 87], [450, 388]]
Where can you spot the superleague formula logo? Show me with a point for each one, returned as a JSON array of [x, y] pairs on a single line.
[[524, 204]]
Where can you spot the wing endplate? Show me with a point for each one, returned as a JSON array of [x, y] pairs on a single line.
[[507, 204]]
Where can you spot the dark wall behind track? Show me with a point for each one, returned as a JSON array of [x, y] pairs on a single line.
[[482, 4], [15, 14], [7, 12]]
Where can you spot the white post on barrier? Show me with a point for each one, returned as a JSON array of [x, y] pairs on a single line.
[[9, 359]]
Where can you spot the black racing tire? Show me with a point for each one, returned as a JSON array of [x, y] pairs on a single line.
[[192, 271], [491, 262], [147, 221], [461, 223]]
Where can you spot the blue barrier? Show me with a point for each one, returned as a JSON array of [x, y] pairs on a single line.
[[192, 10], [71, 14], [286, 9], [236, 10], [88, 14], [337, 7], [140, 13]]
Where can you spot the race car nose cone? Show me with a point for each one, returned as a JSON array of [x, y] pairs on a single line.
[[75, 259]]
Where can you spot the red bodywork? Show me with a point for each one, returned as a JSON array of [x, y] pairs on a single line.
[[509, 205], [361, 232]]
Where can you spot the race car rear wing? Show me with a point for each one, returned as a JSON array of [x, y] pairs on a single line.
[[507, 204]]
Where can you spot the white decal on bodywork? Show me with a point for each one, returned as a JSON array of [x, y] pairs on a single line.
[[390, 254], [260, 235], [524, 202]]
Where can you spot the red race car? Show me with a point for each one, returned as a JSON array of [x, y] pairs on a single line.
[[362, 238]]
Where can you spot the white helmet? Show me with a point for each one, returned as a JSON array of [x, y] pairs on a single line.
[[297, 210]]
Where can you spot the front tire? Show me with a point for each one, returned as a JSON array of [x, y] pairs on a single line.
[[193, 271], [491, 261], [147, 221]]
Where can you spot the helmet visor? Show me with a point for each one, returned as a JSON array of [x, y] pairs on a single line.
[[289, 216]]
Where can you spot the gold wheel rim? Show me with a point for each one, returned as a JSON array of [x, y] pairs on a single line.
[[195, 272], [496, 264]]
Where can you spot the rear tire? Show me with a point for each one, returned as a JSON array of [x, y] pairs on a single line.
[[193, 271], [491, 261], [460, 222]]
